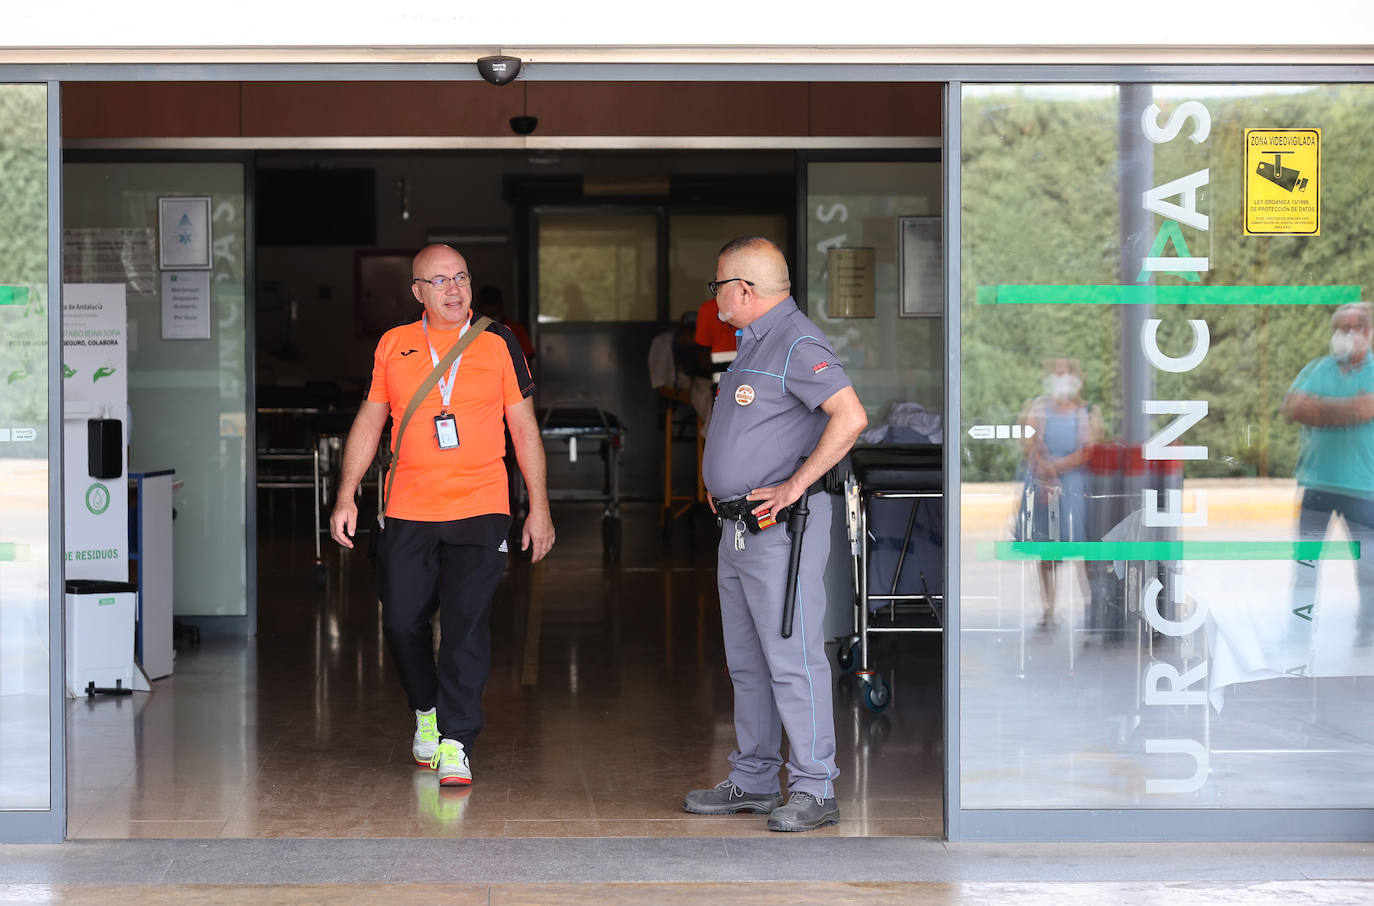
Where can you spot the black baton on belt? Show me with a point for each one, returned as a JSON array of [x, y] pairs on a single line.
[[796, 526]]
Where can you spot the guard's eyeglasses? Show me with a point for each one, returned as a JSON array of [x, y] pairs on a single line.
[[439, 282], [715, 285]]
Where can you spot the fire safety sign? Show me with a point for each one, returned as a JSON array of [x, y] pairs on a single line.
[[1283, 182]]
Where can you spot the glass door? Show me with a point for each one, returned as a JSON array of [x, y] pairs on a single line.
[[31, 802], [1167, 450]]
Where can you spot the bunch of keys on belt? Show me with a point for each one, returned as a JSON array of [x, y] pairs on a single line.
[[754, 523]]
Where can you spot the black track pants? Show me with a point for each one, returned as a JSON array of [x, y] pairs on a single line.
[[454, 566]]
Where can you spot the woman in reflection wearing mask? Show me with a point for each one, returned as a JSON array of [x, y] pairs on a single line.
[[1054, 498]]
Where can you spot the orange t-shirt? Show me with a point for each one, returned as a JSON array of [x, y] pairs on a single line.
[[433, 485], [712, 332]]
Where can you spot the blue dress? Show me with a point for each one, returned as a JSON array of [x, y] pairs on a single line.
[[1062, 434]]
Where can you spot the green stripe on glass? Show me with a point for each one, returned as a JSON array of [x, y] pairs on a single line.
[[14, 295], [10, 551], [1176, 550], [1145, 294]]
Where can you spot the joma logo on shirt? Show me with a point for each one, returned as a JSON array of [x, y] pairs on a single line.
[[408, 352]]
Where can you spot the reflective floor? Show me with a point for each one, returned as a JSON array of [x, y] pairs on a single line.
[[608, 700]]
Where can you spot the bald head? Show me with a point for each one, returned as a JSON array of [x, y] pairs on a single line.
[[757, 259], [432, 256]]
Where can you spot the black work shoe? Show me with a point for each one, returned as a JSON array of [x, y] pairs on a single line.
[[804, 812], [727, 799]]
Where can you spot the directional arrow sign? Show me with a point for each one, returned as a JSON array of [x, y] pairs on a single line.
[[994, 432]]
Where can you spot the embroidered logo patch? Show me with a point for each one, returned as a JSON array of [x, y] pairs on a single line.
[[820, 366], [744, 394]]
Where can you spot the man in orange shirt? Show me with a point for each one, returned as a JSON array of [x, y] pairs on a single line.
[[717, 336], [447, 516]]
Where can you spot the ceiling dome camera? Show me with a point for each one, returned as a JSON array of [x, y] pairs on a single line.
[[524, 125], [499, 70]]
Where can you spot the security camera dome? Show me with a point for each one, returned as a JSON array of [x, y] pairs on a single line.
[[499, 70]]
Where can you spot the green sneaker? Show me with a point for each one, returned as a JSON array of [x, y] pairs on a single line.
[[426, 741], [451, 762]]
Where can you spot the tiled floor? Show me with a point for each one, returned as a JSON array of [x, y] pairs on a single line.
[[754, 894], [608, 700]]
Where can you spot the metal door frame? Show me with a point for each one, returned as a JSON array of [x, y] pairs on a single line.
[[960, 824]]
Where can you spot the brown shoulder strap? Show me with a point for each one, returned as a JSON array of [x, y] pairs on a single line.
[[477, 328]]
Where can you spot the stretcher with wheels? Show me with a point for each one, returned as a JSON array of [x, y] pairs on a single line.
[[573, 425], [894, 513]]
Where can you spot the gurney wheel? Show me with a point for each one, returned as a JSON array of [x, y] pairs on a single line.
[[844, 657], [877, 696]]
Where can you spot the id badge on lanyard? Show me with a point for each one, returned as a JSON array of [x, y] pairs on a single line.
[[446, 430], [445, 423]]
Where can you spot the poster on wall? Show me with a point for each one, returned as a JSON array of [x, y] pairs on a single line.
[[922, 265], [185, 305], [125, 255], [1283, 182], [853, 282], [95, 392], [183, 231]]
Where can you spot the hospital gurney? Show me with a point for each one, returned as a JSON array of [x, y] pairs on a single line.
[[911, 591], [573, 424]]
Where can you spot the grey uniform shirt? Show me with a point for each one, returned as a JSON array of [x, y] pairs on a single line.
[[767, 417]]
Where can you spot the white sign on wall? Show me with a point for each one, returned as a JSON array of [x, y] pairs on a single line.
[[94, 385], [185, 305], [183, 232]]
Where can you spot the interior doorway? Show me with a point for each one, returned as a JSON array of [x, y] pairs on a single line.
[[608, 697]]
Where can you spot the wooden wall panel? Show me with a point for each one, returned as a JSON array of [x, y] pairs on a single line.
[[379, 108], [875, 108], [150, 109], [284, 109], [669, 108]]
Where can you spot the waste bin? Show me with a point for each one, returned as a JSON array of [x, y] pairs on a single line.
[[100, 634]]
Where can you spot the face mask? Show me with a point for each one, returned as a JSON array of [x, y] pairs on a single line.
[[1062, 386], [1345, 343]]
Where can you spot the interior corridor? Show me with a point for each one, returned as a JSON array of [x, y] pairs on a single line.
[[608, 700]]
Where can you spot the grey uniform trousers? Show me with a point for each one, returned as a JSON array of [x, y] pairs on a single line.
[[780, 684]]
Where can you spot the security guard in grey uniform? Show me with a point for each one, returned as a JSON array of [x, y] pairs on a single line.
[[786, 413]]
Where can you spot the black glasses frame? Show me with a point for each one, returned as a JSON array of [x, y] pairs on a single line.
[[715, 285]]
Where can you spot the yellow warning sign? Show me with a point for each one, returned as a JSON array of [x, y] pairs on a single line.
[[1283, 182]]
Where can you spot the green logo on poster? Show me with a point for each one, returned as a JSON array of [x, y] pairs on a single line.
[[97, 498]]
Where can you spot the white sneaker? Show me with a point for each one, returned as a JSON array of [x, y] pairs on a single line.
[[426, 741], [451, 762]]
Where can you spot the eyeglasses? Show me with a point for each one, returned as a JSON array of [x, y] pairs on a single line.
[[715, 285], [439, 282]]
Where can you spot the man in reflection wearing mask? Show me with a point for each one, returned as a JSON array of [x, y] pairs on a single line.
[[1057, 451], [1333, 400]]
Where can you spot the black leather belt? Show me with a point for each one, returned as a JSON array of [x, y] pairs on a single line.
[[734, 509], [741, 509]]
